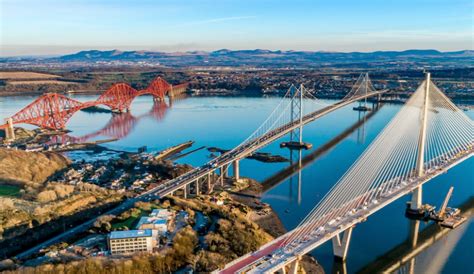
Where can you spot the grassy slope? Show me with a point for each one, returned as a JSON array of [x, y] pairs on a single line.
[[9, 191], [28, 168]]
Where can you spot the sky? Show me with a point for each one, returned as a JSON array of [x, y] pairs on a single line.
[[54, 27]]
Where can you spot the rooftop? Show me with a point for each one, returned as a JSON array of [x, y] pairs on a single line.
[[130, 234], [160, 222], [161, 212]]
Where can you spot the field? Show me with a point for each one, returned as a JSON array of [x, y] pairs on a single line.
[[131, 221], [9, 191], [7, 75], [39, 82]]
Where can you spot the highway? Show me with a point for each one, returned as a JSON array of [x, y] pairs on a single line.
[[246, 149]]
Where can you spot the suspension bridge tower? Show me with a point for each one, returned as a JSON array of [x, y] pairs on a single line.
[[364, 85], [296, 135]]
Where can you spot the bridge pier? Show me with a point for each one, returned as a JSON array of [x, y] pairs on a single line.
[[281, 271], [340, 248], [416, 198], [293, 267], [197, 187], [225, 171], [186, 191], [9, 130], [209, 182], [237, 170]]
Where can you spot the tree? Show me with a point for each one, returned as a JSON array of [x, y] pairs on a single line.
[[47, 196], [63, 190]]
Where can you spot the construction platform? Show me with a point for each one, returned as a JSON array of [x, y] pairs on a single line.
[[453, 221], [362, 108], [420, 213], [296, 145]]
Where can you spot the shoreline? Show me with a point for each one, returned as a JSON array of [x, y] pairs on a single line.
[[270, 222], [465, 102]]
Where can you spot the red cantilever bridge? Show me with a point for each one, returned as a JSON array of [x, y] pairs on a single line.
[[54, 110]]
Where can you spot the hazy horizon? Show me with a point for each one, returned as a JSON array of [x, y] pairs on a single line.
[[80, 49], [55, 27]]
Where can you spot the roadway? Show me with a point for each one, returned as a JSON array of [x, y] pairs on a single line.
[[246, 149], [272, 260], [274, 180]]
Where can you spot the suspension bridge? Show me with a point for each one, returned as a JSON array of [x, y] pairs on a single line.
[[289, 117], [53, 111], [426, 138]]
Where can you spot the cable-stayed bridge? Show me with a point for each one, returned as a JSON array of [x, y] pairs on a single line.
[[426, 138]]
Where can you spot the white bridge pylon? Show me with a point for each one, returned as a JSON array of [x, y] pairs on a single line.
[[428, 124], [392, 157]]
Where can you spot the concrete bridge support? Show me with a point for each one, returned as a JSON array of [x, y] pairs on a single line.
[[197, 187], [237, 169], [186, 191], [225, 171], [291, 268], [416, 198], [209, 182], [339, 247], [9, 130]]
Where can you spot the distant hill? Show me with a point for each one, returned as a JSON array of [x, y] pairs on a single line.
[[143, 55], [260, 57]]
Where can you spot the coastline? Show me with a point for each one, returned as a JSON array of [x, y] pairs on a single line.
[[268, 219]]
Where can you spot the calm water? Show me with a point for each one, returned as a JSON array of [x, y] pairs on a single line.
[[225, 122]]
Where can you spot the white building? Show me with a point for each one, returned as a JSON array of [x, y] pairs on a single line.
[[161, 213], [129, 241]]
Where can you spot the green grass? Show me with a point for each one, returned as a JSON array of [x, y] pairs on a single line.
[[130, 222], [9, 191]]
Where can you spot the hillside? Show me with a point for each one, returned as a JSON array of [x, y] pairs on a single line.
[[29, 168], [255, 57]]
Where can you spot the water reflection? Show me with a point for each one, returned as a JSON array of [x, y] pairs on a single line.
[[425, 251], [298, 162], [120, 125]]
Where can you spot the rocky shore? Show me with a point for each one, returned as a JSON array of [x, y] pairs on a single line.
[[249, 193]]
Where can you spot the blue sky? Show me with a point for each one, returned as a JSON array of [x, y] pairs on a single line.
[[31, 27]]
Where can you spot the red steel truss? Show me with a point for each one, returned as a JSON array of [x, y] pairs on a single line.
[[54, 110]]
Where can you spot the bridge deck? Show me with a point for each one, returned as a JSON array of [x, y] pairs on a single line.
[[271, 259], [242, 151]]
